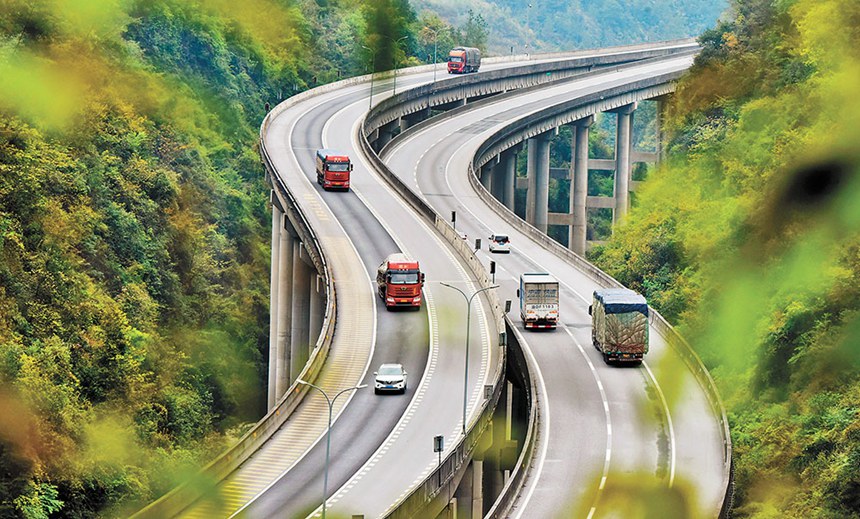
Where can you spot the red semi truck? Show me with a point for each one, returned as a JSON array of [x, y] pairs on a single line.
[[333, 169], [399, 280], [462, 60]]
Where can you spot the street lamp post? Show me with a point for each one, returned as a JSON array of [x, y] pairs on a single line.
[[435, 35], [372, 72], [330, 402], [396, 47], [468, 322]]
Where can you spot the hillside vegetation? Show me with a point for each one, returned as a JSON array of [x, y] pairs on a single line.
[[134, 230], [750, 239], [554, 25]]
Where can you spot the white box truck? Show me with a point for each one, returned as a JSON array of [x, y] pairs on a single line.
[[538, 295]]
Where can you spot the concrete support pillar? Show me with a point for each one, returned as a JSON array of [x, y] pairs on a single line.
[[487, 176], [277, 229], [623, 145], [531, 167], [301, 313], [285, 297], [537, 198], [579, 184], [498, 181], [509, 167], [317, 308], [477, 489], [386, 133]]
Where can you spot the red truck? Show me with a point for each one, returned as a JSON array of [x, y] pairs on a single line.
[[399, 280], [333, 169], [462, 60]]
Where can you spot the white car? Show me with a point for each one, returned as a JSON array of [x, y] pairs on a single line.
[[500, 243], [390, 377]]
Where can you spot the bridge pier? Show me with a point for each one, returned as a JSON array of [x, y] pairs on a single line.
[[386, 133], [408, 121], [284, 308], [662, 103], [274, 282], [537, 199], [623, 145], [300, 311], [487, 176], [579, 184], [509, 166]]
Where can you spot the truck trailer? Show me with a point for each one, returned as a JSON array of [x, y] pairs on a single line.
[[538, 295], [619, 324], [462, 60], [399, 280], [333, 169]]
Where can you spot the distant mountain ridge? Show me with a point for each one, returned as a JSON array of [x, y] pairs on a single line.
[[551, 25]]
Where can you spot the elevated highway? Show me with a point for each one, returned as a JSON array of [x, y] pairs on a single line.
[[598, 423], [382, 447]]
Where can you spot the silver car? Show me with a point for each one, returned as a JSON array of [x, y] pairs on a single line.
[[500, 243], [390, 377]]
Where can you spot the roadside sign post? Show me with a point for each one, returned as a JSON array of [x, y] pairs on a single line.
[[439, 446]]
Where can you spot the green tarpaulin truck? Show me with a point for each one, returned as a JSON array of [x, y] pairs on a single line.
[[619, 324]]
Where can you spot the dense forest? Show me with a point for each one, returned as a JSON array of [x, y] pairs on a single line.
[[750, 239]]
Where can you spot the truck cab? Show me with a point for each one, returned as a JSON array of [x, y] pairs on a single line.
[[399, 281], [538, 295], [462, 60], [333, 169]]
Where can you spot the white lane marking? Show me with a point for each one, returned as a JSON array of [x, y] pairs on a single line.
[[669, 421], [485, 335], [432, 317], [608, 456], [432, 354], [370, 284], [583, 298], [545, 423]]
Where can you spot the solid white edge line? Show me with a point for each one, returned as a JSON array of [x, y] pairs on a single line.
[[669, 422], [545, 423]]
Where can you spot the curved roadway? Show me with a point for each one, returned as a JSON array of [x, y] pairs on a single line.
[[599, 423], [381, 445]]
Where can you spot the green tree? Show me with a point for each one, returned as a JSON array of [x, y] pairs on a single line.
[[475, 31]]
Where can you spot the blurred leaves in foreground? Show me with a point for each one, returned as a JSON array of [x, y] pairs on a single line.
[[759, 206]]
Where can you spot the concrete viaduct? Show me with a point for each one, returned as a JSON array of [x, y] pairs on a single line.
[[302, 290]]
